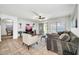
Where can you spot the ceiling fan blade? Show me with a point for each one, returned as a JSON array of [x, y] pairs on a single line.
[[35, 13]]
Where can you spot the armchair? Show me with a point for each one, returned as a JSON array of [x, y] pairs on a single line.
[[29, 39]]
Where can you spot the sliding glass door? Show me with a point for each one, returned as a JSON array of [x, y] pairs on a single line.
[[58, 27]]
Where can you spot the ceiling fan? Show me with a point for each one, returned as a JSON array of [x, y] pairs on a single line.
[[39, 16]]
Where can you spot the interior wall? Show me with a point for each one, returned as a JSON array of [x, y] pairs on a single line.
[[0, 29], [78, 16], [0, 32], [3, 28], [65, 20], [78, 26], [15, 29]]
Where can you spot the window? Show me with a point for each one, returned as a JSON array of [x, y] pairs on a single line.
[[53, 27], [60, 27]]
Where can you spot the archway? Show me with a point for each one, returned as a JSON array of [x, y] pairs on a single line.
[[6, 28]]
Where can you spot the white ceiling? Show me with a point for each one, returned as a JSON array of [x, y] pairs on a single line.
[[47, 10]]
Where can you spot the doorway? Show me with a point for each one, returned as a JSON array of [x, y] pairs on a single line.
[[6, 29], [41, 28]]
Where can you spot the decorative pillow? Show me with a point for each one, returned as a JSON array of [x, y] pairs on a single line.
[[64, 37]]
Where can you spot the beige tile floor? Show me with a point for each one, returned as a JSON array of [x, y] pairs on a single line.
[[8, 46]]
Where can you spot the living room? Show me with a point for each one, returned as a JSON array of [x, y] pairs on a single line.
[[31, 29]]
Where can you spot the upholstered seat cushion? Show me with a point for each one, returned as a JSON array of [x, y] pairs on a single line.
[[29, 39], [69, 48], [56, 46], [62, 47], [53, 36]]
